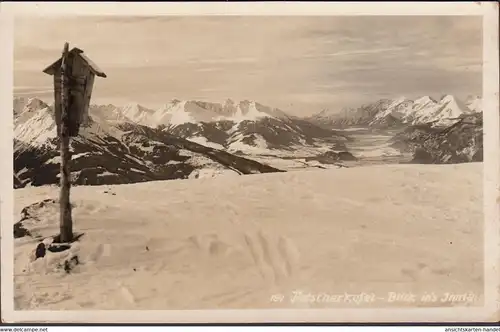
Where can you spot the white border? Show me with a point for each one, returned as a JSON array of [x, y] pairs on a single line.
[[246, 8], [491, 168], [6, 149], [489, 11]]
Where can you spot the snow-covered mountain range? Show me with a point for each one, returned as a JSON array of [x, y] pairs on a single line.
[[180, 140], [113, 152], [191, 139], [178, 112], [387, 113], [238, 127]]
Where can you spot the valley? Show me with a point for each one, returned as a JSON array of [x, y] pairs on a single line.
[[367, 148], [374, 148]]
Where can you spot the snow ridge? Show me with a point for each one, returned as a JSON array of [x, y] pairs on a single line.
[[176, 113]]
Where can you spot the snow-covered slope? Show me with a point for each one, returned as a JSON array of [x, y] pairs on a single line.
[[159, 245], [115, 152], [25, 108], [399, 108], [443, 113], [421, 107], [35, 126]]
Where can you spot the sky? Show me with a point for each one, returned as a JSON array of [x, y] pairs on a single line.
[[301, 64]]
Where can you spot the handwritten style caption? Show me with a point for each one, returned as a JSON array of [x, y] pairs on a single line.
[[298, 296]]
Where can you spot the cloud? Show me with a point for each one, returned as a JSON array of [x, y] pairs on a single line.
[[209, 69], [359, 52], [366, 51], [312, 61], [33, 90], [221, 60]]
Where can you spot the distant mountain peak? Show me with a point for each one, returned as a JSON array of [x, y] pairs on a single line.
[[399, 100], [136, 107], [425, 100], [132, 105], [35, 101], [23, 104], [448, 98], [454, 102]]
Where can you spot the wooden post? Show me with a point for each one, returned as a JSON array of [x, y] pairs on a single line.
[[73, 76], [66, 222]]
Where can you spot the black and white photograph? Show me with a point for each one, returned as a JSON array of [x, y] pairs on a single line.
[[226, 162]]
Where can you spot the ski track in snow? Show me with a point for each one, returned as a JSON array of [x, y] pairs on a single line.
[[232, 242]]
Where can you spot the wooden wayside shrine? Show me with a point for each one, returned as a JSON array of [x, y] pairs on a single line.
[[80, 73], [74, 75]]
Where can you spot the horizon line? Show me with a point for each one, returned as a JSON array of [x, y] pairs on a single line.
[[121, 105]]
